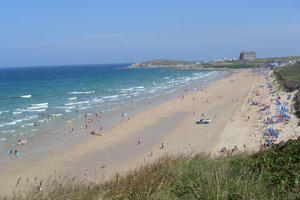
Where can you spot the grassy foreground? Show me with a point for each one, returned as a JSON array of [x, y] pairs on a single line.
[[272, 174]]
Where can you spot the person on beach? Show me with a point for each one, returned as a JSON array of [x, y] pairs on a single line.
[[151, 153], [23, 141], [162, 145], [16, 153], [138, 142]]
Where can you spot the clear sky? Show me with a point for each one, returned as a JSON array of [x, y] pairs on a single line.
[[55, 32]]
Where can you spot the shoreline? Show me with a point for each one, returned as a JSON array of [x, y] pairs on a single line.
[[41, 151], [171, 122], [49, 137]]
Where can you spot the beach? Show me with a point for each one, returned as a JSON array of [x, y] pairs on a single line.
[[168, 127]]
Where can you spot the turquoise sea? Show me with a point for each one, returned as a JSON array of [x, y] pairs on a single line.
[[34, 100]]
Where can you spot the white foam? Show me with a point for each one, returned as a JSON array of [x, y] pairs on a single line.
[[171, 81], [65, 107], [72, 98], [26, 96], [30, 124], [11, 123], [42, 120], [98, 100], [14, 122], [10, 131], [111, 97], [130, 89], [135, 94], [37, 110], [56, 115], [171, 91], [16, 113], [2, 139], [140, 89], [153, 90], [37, 107], [40, 104], [30, 117], [83, 108], [77, 103], [87, 92], [115, 108]]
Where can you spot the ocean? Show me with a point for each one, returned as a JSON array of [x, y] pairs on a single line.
[[36, 101]]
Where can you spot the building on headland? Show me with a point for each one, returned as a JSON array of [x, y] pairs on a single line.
[[247, 55]]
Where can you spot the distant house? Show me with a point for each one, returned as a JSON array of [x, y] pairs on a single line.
[[247, 55]]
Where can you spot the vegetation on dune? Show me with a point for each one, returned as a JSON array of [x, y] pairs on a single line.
[[161, 63], [289, 78], [271, 174], [286, 58], [166, 62], [237, 65]]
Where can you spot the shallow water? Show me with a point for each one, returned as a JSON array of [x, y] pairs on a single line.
[[37, 102]]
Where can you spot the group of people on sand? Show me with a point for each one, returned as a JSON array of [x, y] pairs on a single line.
[[16, 152], [281, 116], [272, 112], [22, 142], [229, 152]]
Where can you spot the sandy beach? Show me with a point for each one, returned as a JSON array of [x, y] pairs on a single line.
[[166, 128]]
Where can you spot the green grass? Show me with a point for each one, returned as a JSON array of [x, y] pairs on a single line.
[[271, 174], [231, 66], [289, 78], [166, 62]]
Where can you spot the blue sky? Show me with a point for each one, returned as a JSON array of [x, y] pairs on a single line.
[[55, 32]]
